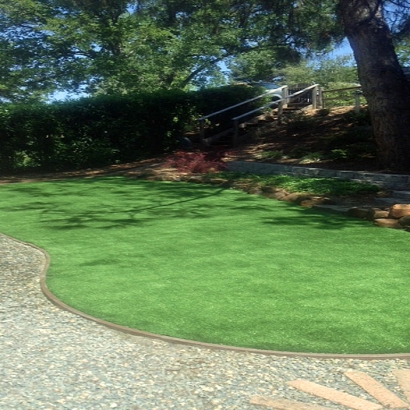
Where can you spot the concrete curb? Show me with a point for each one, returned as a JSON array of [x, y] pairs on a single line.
[[400, 182], [135, 332]]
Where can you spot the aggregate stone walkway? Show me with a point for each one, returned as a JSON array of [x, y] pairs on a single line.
[[52, 359]]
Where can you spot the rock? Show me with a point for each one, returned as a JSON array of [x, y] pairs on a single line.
[[270, 189], [357, 212], [275, 195], [309, 202], [399, 210], [404, 221], [377, 213], [388, 223], [291, 197]]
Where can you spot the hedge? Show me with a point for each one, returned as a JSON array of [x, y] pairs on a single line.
[[103, 130]]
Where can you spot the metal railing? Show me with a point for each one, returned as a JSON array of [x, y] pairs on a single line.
[[202, 120], [282, 103]]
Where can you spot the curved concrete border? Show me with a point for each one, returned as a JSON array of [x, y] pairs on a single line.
[[135, 332]]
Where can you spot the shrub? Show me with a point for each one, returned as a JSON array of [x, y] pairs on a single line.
[[101, 130], [196, 162]]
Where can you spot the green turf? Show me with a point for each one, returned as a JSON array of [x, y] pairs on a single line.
[[217, 265]]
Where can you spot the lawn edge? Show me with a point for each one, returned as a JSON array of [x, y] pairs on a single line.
[[135, 332]]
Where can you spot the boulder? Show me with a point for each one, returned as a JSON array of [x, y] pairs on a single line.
[[291, 198], [388, 223], [404, 221], [275, 195], [309, 202], [399, 210], [377, 213], [357, 212]]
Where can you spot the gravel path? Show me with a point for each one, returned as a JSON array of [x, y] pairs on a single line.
[[52, 359]]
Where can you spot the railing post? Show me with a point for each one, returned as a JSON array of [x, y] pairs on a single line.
[[285, 94], [280, 110], [314, 98], [320, 98]]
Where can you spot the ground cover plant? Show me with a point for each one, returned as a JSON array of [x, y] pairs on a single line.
[[313, 186], [217, 265]]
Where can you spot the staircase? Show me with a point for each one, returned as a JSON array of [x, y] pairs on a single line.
[[229, 132]]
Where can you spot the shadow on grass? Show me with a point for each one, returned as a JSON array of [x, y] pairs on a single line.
[[118, 202]]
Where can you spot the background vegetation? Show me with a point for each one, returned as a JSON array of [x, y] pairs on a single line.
[[102, 130]]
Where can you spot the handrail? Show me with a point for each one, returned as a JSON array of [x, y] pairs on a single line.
[[205, 117], [342, 89], [355, 94], [281, 102], [277, 101]]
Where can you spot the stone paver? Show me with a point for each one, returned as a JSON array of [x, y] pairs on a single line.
[[377, 390], [284, 404], [333, 395], [403, 379]]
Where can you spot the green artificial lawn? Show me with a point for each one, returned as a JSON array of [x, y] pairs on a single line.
[[217, 265]]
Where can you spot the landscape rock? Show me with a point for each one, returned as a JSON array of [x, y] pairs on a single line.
[[388, 223], [399, 210], [404, 221], [291, 197], [309, 202], [276, 195], [357, 212], [376, 213], [253, 189]]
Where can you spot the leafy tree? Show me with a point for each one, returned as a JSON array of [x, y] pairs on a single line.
[[112, 46], [328, 72], [370, 26], [383, 82]]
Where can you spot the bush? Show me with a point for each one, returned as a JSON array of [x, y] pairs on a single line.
[[196, 162], [212, 100], [106, 129]]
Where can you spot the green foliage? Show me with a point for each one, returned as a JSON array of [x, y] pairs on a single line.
[[312, 186], [339, 153], [331, 74], [104, 129], [128, 46], [272, 154]]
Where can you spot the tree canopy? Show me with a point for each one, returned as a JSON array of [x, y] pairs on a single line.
[[119, 46]]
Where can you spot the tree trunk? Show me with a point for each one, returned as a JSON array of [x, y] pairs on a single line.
[[382, 79]]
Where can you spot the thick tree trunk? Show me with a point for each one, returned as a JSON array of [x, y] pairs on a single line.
[[382, 79]]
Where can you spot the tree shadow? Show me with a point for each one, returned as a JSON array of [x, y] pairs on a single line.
[[112, 202]]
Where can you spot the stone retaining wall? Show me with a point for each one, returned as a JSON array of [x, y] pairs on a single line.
[[387, 181]]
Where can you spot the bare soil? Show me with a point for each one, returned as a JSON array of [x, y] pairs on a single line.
[[335, 140]]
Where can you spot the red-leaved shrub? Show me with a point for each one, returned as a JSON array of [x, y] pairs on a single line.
[[196, 162]]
